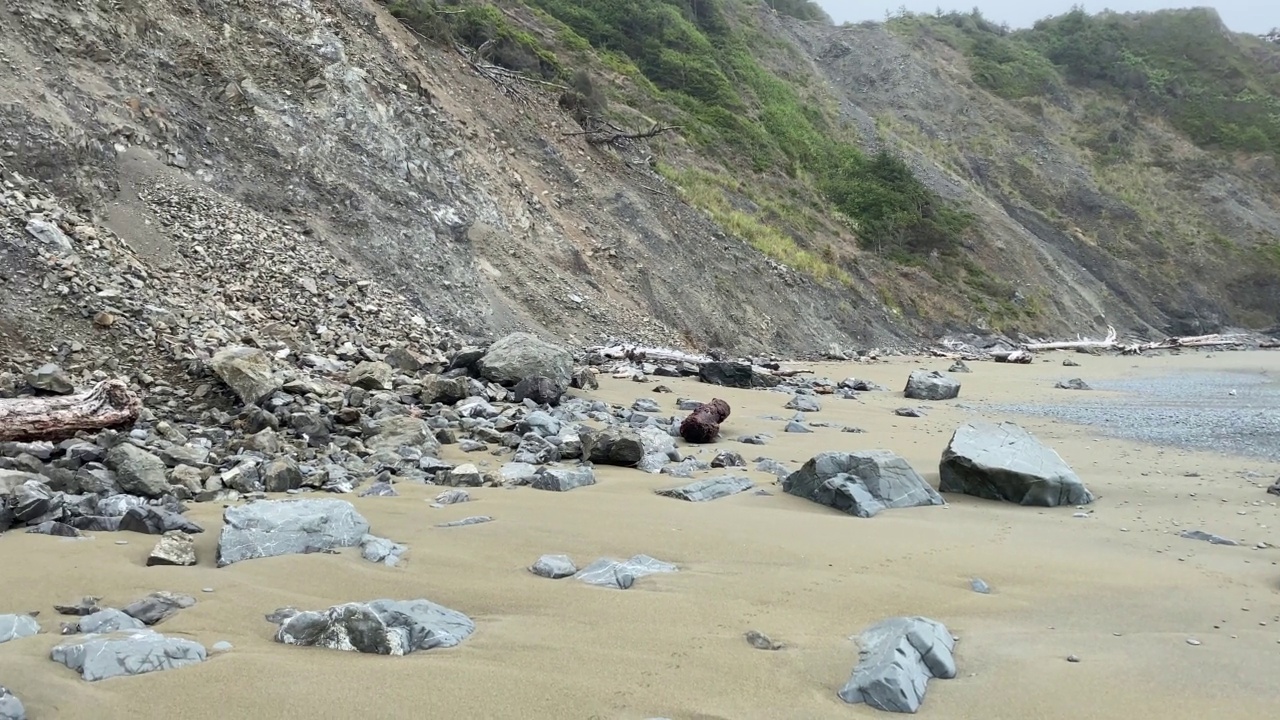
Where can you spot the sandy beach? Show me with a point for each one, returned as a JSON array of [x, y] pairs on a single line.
[[1119, 589]]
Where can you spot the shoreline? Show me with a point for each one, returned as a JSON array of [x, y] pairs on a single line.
[[1117, 588]]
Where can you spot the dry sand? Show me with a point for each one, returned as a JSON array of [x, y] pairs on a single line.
[[1119, 589]]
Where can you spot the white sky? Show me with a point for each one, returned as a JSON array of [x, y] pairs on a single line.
[[1251, 16]]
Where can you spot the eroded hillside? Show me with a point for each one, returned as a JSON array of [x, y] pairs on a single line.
[[444, 152]]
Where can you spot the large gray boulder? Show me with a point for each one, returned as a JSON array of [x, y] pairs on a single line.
[[628, 446], [138, 472], [382, 627], [709, 489], [267, 528], [861, 483], [10, 706], [133, 652], [14, 627], [1005, 462], [898, 656], [521, 355], [248, 372], [403, 431], [930, 385], [562, 479]]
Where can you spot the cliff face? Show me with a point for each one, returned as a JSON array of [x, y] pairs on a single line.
[[427, 167]]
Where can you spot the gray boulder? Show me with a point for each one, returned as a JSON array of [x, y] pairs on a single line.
[[628, 447], [52, 379], [709, 489], [267, 528], [804, 403], [930, 385], [562, 479], [107, 620], [10, 706], [403, 431], [248, 372], [150, 520], [861, 483], [436, 389], [554, 567], [540, 389], [138, 472], [382, 627], [1005, 462], [381, 550], [371, 375], [622, 574], [898, 657], [281, 475], [15, 627], [521, 355], [158, 606], [134, 652]]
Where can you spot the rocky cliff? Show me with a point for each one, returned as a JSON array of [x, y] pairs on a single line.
[[250, 169]]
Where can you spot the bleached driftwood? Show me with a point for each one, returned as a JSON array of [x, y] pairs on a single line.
[[639, 353], [1194, 341], [1018, 357], [1079, 343], [109, 404]]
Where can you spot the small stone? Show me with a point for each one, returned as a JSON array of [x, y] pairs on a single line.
[[760, 641], [1073, 658]]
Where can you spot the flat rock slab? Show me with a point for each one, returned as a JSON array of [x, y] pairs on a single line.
[[135, 652], [10, 706], [562, 479], [15, 627], [381, 627], [898, 657], [709, 489], [1207, 537], [861, 483], [622, 574], [1005, 462], [267, 528]]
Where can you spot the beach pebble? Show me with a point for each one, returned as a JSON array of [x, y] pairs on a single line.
[[1192, 641], [1073, 658]]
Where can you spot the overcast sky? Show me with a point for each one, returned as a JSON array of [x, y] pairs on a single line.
[[1251, 16]]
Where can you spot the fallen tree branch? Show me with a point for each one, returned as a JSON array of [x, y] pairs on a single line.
[[109, 404], [1215, 340], [1019, 357]]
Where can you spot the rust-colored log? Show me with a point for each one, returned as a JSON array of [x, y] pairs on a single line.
[[109, 404], [703, 424]]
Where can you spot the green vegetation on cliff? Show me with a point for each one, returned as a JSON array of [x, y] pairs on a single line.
[[1219, 88], [697, 57]]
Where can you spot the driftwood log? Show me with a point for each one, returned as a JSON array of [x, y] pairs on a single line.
[[703, 424], [109, 404]]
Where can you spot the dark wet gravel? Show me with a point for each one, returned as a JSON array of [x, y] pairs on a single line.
[[1191, 410]]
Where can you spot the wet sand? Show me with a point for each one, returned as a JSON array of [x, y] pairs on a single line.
[[1118, 589]]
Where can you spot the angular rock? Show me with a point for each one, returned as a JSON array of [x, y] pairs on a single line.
[[53, 527], [138, 472], [930, 385], [861, 483], [584, 379], [521, 355], [897, 659], [10, 706], [728, 458], [436, 389], [804, 403], [268, 528], [709, 489], [464, 475], [463, 522], [157, 607], [151, 520], [14, 627], [248, 372], [281, 475], [622, 574], [452, 497], [554, 567], [106, 620], [562, 479], [1072, 384], [50, 235], [382, 627], [134, 652], [540, 389], [737, 375], [173, 548], [51, 379], [381, 550], [403, 431], [1005, 462], [371, 375]]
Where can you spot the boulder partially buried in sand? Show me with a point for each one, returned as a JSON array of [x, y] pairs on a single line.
[[898, 657], [861, 483], [132, 652], [1005, 462], [381, 627], [10, 706], [930, 385], [267, 528]]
